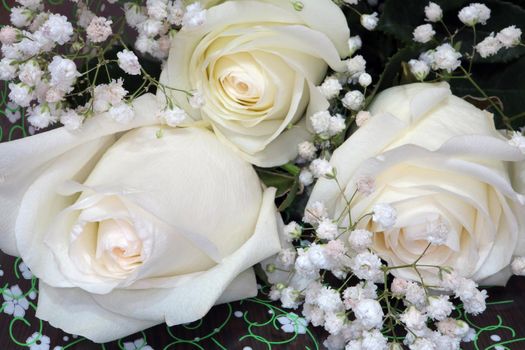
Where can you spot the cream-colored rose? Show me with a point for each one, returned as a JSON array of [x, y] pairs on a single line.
[[257, 64], [440, 162], [126, 231]]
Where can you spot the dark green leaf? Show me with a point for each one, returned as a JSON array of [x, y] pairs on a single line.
[[283, 182]]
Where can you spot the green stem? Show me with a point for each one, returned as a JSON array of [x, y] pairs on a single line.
[[291, 169]]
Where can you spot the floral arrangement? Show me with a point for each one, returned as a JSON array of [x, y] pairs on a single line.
[[377, 178]]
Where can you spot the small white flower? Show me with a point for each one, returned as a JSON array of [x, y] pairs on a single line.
[[151, 28], [518, 140], [292, 231], [360, 240], [365, 80], [30, 4], [304, 266], [128, 62], [329, 300], [63, 73], [313, 314], [489, 46], [292, 323], [174, 116], [334, 322], [139, 344], [157, 9], [354, 44], [30, 73], [327, 230], [321, 168], [194, 17], [175, 12], [286, 257], [21, 94], [398, 287], [369, 313], [122, 113], [336, 125], [473, 14], [107, 95], [307, 150], [433, 12], [453, 328], [367, 266], [369, 21], [384, 214], [135, 15], [15, 303], [437, 231], [510, 36], [446, 57], [26, 272], [99, 29], [415, 295], [290, 298], [306, 178], [365, 185], [419, 69], [71, 120], [423, 33], [356, 66], [40, 117], [353, 100], [57, 28], [20, 16], [197, 100], [518, 266], [8, 70], [475, 303], [374, 339], [362, 117], [38, 341], [330, 88], [315, 213], [413, 319], [8, 35], [320, 122], [439, 307]]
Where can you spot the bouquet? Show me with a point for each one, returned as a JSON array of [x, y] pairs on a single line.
[[366, 157]]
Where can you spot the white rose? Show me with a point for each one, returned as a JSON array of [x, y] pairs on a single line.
[[126, 232], [439, 161], [257, 64]]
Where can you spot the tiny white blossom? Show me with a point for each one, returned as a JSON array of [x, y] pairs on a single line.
[[320, 122], [57, 28], [151, 27], [439, 307], [446, 57], [423, 33], [365, 185], [365, 79], [197, 100], [374, 340], [175, 12], [174, 116], [21, 94], [362, 117], [413, 319], [518, 266], [122, 113], [354, 44], [128, 62], [20, 16], [290, 298], [453, 328], [8, 69], [292, 231], [369, 22], [40, 117], [369, 313], [474, 13], [63, 73], [353, 100], [360, 239], [306, 178], [286, 257], [71, 120], [433, 12], [30, 73], [489, 46], [327, 229], [194, 17], [135, 15], [518, 140], [8, 35], [367, 266], [352, 295], [510, 36], [475, 303], [415, 294], [99, 29], [306, 150], [329, 300], [321, 168], [84, 15], [356, 66], [437, 231], [315, 213], [419, 69], [330, 88], [336, 125], [107, 95], [384, 214], [398, 287], [157, 9]]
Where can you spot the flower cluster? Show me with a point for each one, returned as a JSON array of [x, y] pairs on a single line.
[[329, 268]]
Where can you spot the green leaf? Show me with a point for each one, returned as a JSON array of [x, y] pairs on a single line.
[[400, 17], [283, 182]]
